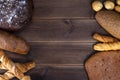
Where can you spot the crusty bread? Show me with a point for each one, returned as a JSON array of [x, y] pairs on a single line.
[[10, 65], [104, 66], [110, 21], [13, 43]]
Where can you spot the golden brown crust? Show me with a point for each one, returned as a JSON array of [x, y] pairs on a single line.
[[3, 78], [22, 67], [14, 69], [26, 78], [10, 65], [107, 46], [13, 43], [8, 75], [103, 38], [26, 66]]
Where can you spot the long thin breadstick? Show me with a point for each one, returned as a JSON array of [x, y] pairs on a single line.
[[107, 46], [26, 78], [10, 65], [8, 74], [103, 38], [26, 66], [23, 67], [13, 43], [3, 78]]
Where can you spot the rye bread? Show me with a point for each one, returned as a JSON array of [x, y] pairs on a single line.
[[110, 21], [104, 66], [15, 14]]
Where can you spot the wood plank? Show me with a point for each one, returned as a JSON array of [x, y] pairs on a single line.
[[60, 9], [66, 74], [58, 74], [60, 55], [57, 60], [61, 30], [48, 72], [56, 54]]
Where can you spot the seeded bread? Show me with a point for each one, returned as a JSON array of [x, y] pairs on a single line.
[[15, 14]]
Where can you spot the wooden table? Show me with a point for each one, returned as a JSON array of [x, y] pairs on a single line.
[[61, 40]]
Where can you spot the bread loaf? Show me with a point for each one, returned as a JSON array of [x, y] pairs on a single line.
[[110, 21], [13, 43], [104, 66], [14, 14]]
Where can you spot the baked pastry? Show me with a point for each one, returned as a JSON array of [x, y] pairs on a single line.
[[109, 43], [104, 66], [23, 67], [14, 14], [13, 43], [10, 65], [26, 78], [14, 69], [104, 38]]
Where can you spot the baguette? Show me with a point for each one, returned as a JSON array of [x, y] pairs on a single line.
[[107, 46], [13, 43], [103, 38]]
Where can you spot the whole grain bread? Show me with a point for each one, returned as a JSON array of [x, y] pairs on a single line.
[[15, 14], [110, 21], [104, 66]]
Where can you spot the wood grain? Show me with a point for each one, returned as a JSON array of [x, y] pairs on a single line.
[[60, 37], [60, 9], [66, 74], [61, 30], [58, 58], [56, 54], [59, 74]]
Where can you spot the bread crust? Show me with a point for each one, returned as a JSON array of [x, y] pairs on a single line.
[[110, 21], [13, 43], [15, 14], [104, 66]]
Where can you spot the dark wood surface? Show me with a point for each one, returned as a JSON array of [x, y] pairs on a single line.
[[61, 40]]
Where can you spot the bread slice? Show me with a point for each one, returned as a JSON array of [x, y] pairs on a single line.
[[110, 21], [104, 66]]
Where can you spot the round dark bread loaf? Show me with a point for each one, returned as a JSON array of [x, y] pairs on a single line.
[[15, 14], [104, 66]]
